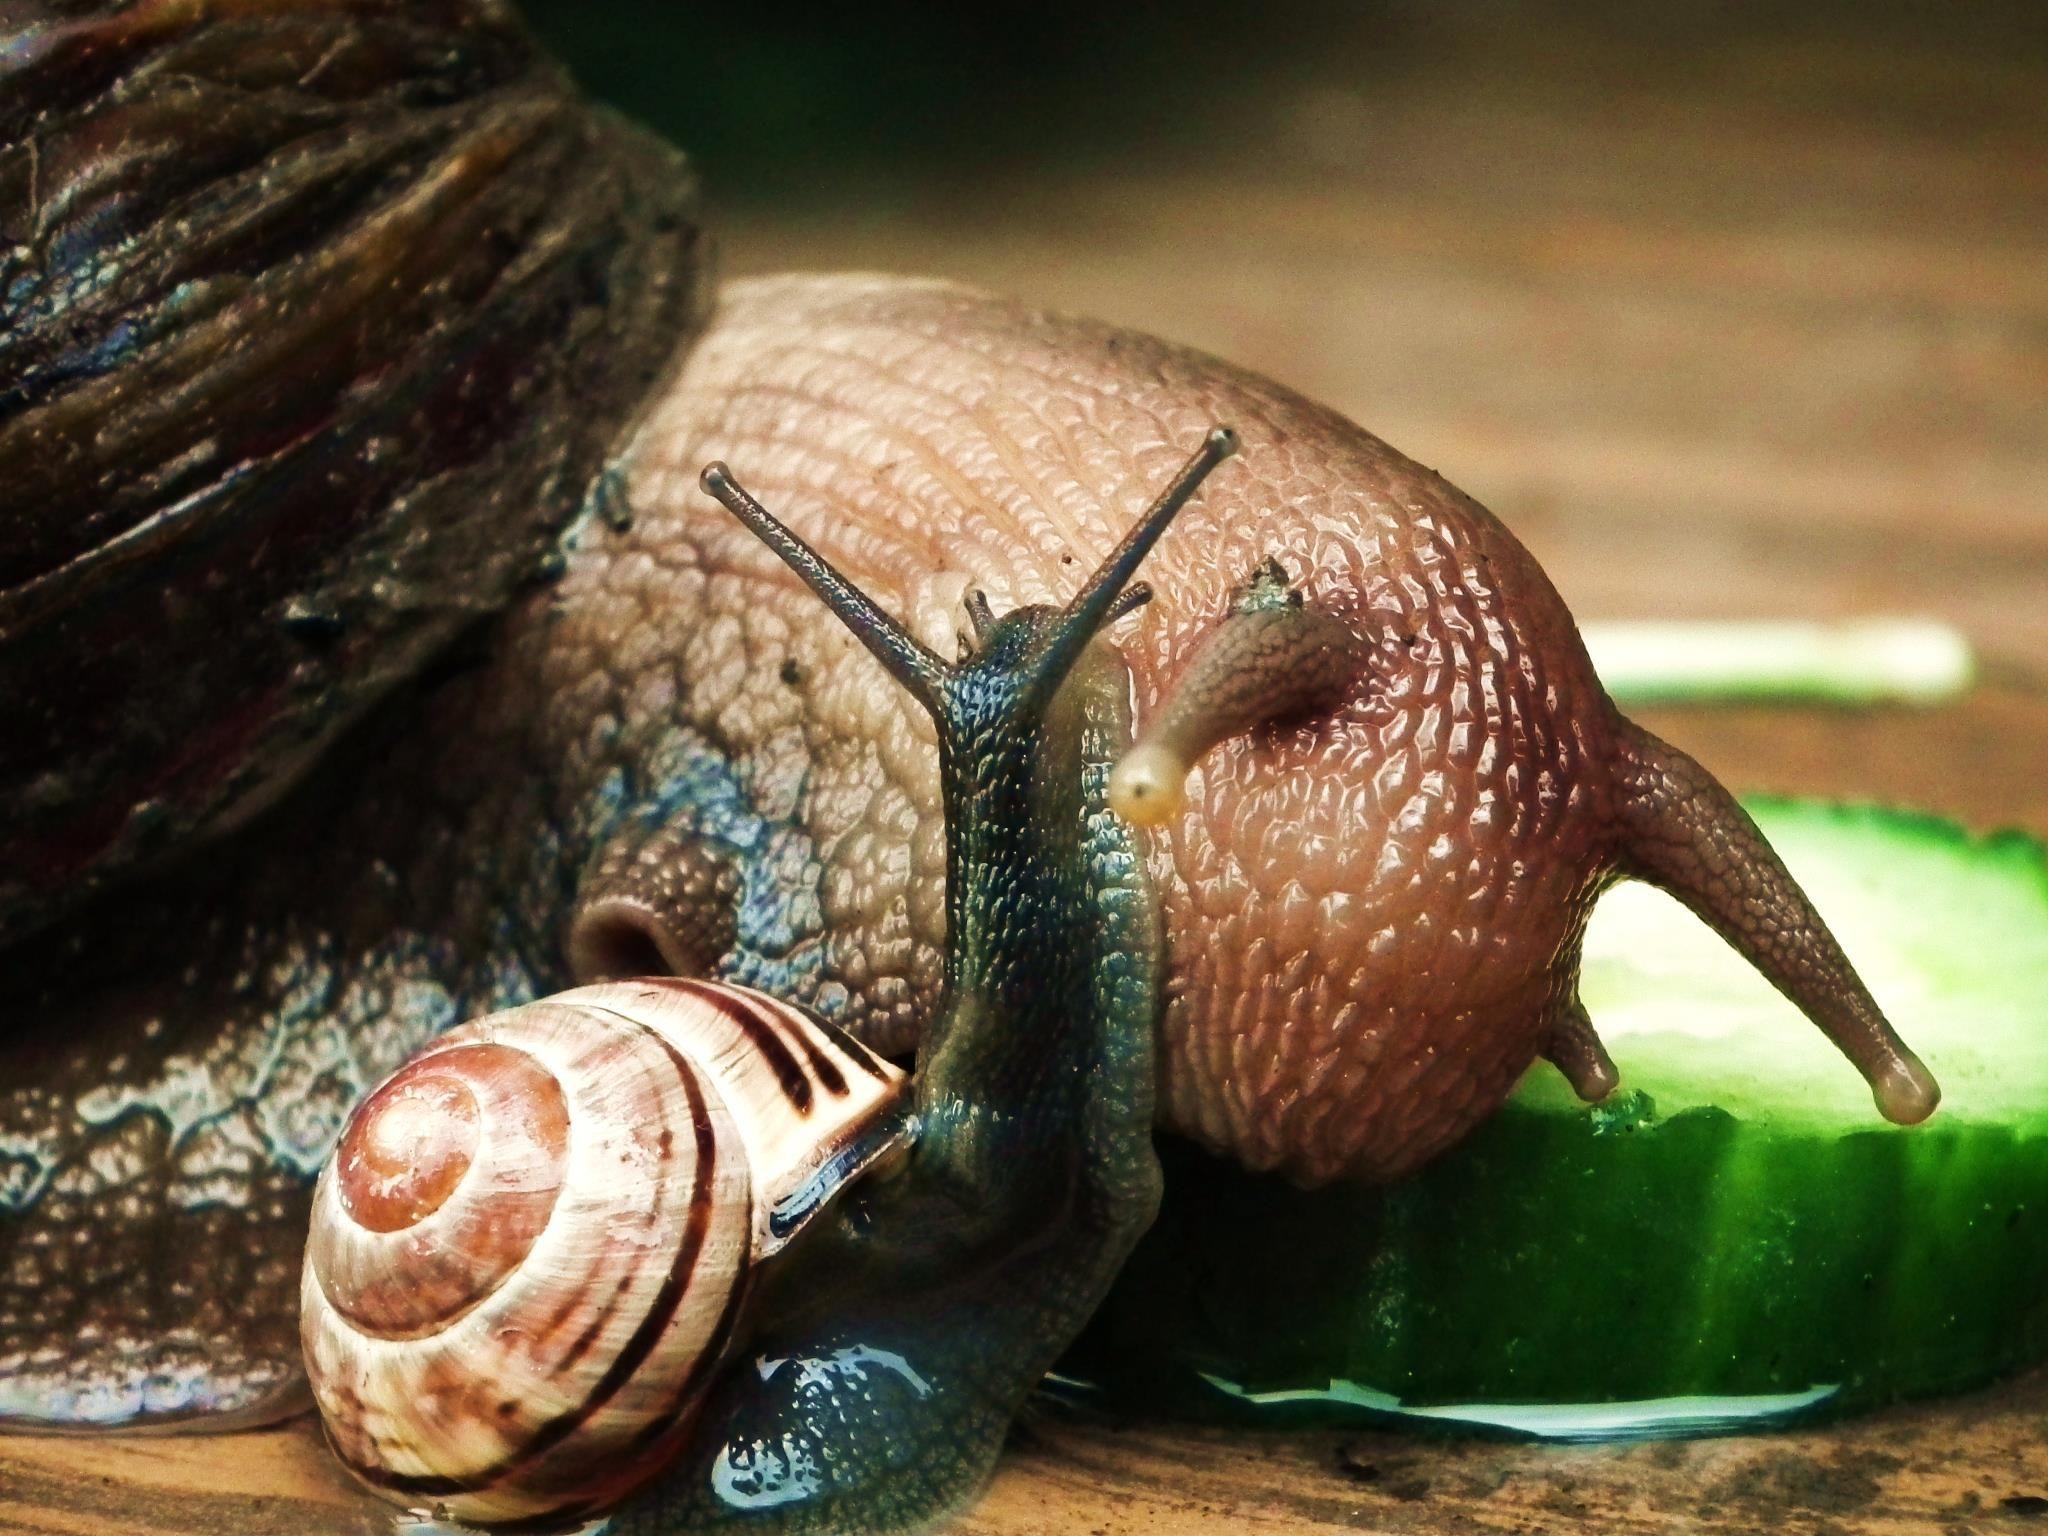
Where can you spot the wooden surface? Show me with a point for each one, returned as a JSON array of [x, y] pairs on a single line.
[[1976, 1465], [1721, 325]]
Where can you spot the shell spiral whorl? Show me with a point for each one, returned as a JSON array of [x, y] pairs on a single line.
[[536, 1239]]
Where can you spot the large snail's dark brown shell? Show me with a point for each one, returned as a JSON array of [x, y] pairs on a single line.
[[318, 321]]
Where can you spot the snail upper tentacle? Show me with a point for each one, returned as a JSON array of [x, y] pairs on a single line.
[[1272, 659]]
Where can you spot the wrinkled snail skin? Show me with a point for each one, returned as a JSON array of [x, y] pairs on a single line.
[[537, 1240], [1373, 916]]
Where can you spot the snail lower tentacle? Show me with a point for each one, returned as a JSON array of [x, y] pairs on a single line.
[[1272, 659], [1577, 1053], [656, 903]]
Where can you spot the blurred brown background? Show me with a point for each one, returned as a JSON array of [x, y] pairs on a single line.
[[1725, 310]]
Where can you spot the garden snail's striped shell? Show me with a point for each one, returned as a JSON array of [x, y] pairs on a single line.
[[535, 1240]]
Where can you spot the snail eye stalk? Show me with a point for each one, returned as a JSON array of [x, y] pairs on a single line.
[[979, 614], [1133, 597], [1108, 596], [908, 660]]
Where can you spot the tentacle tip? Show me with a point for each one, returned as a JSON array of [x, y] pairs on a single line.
[[1222, 441], [1596, 1085], [1148, 786], [715, 477], [1905, 1091], [1128, 602]]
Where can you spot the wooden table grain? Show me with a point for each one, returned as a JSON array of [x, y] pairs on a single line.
[[1977, 1466], [1727, 324]]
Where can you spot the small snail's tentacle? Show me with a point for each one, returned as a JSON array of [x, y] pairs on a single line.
[[908, 660], [1682, 831], [1054, 647], [1272, 659], [1575, 1050], [1103, 598], [979, 614], [1135, 596]]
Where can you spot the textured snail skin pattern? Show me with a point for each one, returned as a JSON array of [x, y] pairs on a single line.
[[1372, 920]]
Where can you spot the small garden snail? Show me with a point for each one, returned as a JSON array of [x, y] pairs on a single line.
[[334, 321], [535, 1240], [535, 1243]]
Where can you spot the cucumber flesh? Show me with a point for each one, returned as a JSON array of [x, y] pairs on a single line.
[[1859, 662], [1733, 1236]]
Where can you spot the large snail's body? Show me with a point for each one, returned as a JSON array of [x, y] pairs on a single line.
[[1356, 902], [672, 758]]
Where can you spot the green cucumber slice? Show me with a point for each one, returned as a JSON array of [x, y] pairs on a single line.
[[1735, 1235]]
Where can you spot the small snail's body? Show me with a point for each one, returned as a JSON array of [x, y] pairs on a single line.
[[893, 1358], [536, 1240], [672, 758]]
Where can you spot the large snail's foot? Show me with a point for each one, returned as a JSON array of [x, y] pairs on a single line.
[[160, 1127], [904, 1340], [185, 1053]]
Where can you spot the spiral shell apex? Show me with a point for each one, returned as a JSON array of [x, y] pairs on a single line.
[[535, 1241]]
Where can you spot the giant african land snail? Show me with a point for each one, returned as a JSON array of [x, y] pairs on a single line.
[[324, 316]]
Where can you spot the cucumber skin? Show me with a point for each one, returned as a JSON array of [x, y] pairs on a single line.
[[1566, 1255], [1837, 1282]]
